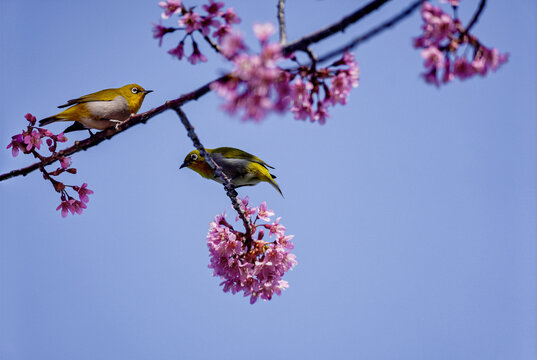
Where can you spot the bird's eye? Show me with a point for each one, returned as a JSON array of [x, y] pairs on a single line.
[[194, 157], [135, 90]]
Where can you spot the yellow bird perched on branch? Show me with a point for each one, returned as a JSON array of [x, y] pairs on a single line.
[[242, 168], [101, 109]]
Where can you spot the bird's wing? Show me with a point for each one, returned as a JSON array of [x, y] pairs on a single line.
[[103, 95], [232, 153]]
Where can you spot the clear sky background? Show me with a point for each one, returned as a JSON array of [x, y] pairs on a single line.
[[414, 208]]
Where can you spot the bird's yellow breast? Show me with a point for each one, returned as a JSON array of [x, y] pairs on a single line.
[[203, 169]]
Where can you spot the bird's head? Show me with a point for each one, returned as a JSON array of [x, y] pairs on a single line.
[[196, 162], [134, 94]]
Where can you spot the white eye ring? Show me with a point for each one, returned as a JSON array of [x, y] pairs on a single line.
[[194, 157], [135, 90]]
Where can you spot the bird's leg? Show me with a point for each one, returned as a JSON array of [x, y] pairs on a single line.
[[90, 133], [119, 122]]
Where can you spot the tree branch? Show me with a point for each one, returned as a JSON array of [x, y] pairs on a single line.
[[281, 21], [371, 33], [328, 31], [230, 189]]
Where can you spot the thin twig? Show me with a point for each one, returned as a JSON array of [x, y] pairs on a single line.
[[230, 189], [371, 33], [281, 21], [476, 16], [313, 59], [341, 25], [212, 44]]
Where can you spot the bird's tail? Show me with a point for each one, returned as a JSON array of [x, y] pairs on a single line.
[[274, 184], [49, 120]]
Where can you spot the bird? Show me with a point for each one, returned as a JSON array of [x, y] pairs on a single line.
[[101, 109], [242, 168]]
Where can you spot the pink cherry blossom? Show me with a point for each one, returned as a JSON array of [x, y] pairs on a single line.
[[322, 112], [178, 51], [196, 55], [222, 32], [45, 133], [247, 210], [231, 17], [340, 87], [191, 21], [33, 140], [213, 9], [302, 99], [462, 68], [77, 206], [65, 161], [264, 31], [66, 206], [16, 144], [170, 7], [83, 192], [276, 228], [231, 45], [434, 58], [353, 70], [206, 23], [159, 31], [493, 58], [60, 137], [431, 77], [263, 212]]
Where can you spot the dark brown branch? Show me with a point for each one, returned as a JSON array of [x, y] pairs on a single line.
[[341, 25], [228, 186], [476, 16], [371, 33], [281, 21]]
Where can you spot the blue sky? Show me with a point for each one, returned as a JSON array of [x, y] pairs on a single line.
[[413, 208]]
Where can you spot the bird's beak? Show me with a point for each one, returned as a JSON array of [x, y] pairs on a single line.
[[185, 164], [147, 91]]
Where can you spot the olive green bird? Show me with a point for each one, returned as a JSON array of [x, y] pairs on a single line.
[[100, 109], [242, 168]]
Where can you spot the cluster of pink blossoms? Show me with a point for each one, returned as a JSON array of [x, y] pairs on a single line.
[[213, 24], [256, 268], [441, 41], [257, 85], [31, 138], [306, 98], [29, 141]]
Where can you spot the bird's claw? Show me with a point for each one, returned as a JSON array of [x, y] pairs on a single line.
[[118, 123]]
